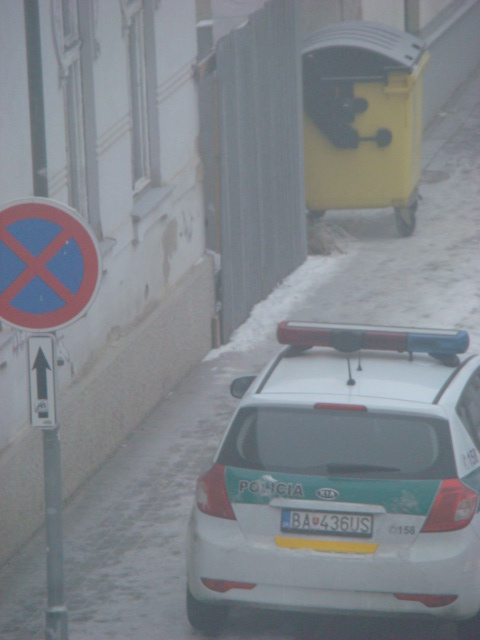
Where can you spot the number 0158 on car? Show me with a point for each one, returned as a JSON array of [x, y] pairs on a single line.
[[327, 522]]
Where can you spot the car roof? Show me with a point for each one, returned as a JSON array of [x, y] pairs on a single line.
[[377, 376]]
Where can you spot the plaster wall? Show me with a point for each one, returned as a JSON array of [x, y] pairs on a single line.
[[151, 320], [116, 388]]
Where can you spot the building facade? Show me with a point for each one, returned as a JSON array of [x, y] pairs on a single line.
[[98, 110]]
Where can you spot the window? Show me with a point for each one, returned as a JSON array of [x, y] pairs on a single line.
[[354, 444], [468, 408], [70, 22], [68, 45], [138, 21], [74, 31], [75, 139], [138, 93]]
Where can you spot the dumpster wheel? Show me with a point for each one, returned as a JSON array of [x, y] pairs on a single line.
[[405, 219], [314, 215]]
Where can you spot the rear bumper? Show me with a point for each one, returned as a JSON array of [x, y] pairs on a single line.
[[308, 580]]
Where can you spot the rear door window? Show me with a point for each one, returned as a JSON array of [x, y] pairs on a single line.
[[339, 443], [468, 407]]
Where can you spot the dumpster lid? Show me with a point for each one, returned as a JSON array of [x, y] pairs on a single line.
[[387, 48]]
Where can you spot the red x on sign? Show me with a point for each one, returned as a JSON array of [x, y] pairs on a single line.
[[49, 264]]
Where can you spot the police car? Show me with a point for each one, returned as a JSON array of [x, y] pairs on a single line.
[[348, 481]]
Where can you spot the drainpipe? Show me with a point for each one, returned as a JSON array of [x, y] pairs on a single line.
[[412, 16], [35, 92]]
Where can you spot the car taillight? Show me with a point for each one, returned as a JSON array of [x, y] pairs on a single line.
[[329, 406], [222, 586], [453, 508], [211, 494], [429, 600]]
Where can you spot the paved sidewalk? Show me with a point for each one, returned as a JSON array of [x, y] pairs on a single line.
[[133, 511]]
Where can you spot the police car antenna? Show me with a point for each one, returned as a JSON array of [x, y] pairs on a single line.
[[351, 381], [359, 366]]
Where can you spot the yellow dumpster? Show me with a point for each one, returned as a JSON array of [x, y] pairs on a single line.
[[362, 94]]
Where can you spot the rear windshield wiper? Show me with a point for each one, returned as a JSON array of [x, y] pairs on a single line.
[[359, 468]]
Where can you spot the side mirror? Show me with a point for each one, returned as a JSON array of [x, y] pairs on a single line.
[[239, 386]]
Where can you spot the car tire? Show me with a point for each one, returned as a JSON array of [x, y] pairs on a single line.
[[208, 618], [469, 629]]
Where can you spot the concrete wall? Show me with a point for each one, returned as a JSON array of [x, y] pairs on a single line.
[[389, 12], [454, 48]]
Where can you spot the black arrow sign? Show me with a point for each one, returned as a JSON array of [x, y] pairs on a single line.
[[41, 365]]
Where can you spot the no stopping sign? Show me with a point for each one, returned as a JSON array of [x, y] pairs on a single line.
[[50, 265]]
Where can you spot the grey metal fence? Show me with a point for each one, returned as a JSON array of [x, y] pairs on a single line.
[[262, 197]]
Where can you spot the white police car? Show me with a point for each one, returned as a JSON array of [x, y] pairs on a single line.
[[347, 482]]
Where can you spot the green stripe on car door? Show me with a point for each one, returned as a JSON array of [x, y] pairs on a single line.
[[412, 497]]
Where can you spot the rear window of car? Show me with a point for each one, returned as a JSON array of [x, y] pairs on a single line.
[[339, 443]]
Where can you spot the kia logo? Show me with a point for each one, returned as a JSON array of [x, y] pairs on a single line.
[[327, 494]]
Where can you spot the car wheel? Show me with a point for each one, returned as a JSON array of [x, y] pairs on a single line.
[[469, 629], [208, 618]]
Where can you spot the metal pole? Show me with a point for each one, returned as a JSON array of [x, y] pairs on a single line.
[[56, 613]]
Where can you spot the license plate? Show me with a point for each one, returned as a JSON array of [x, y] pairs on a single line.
[[327, 523]]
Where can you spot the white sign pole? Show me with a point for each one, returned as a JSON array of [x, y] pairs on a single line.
[[43, 414], [74, 279]]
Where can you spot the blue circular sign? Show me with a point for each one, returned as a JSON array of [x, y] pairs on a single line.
[[49, 265]]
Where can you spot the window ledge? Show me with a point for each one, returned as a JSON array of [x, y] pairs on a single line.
[[149, 202], [148, 205], [106, 245]]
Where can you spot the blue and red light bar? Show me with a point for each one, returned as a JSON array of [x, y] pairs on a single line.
[[352, 337]]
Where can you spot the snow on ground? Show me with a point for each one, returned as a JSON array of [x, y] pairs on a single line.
[[431, 279], [282, 302]]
